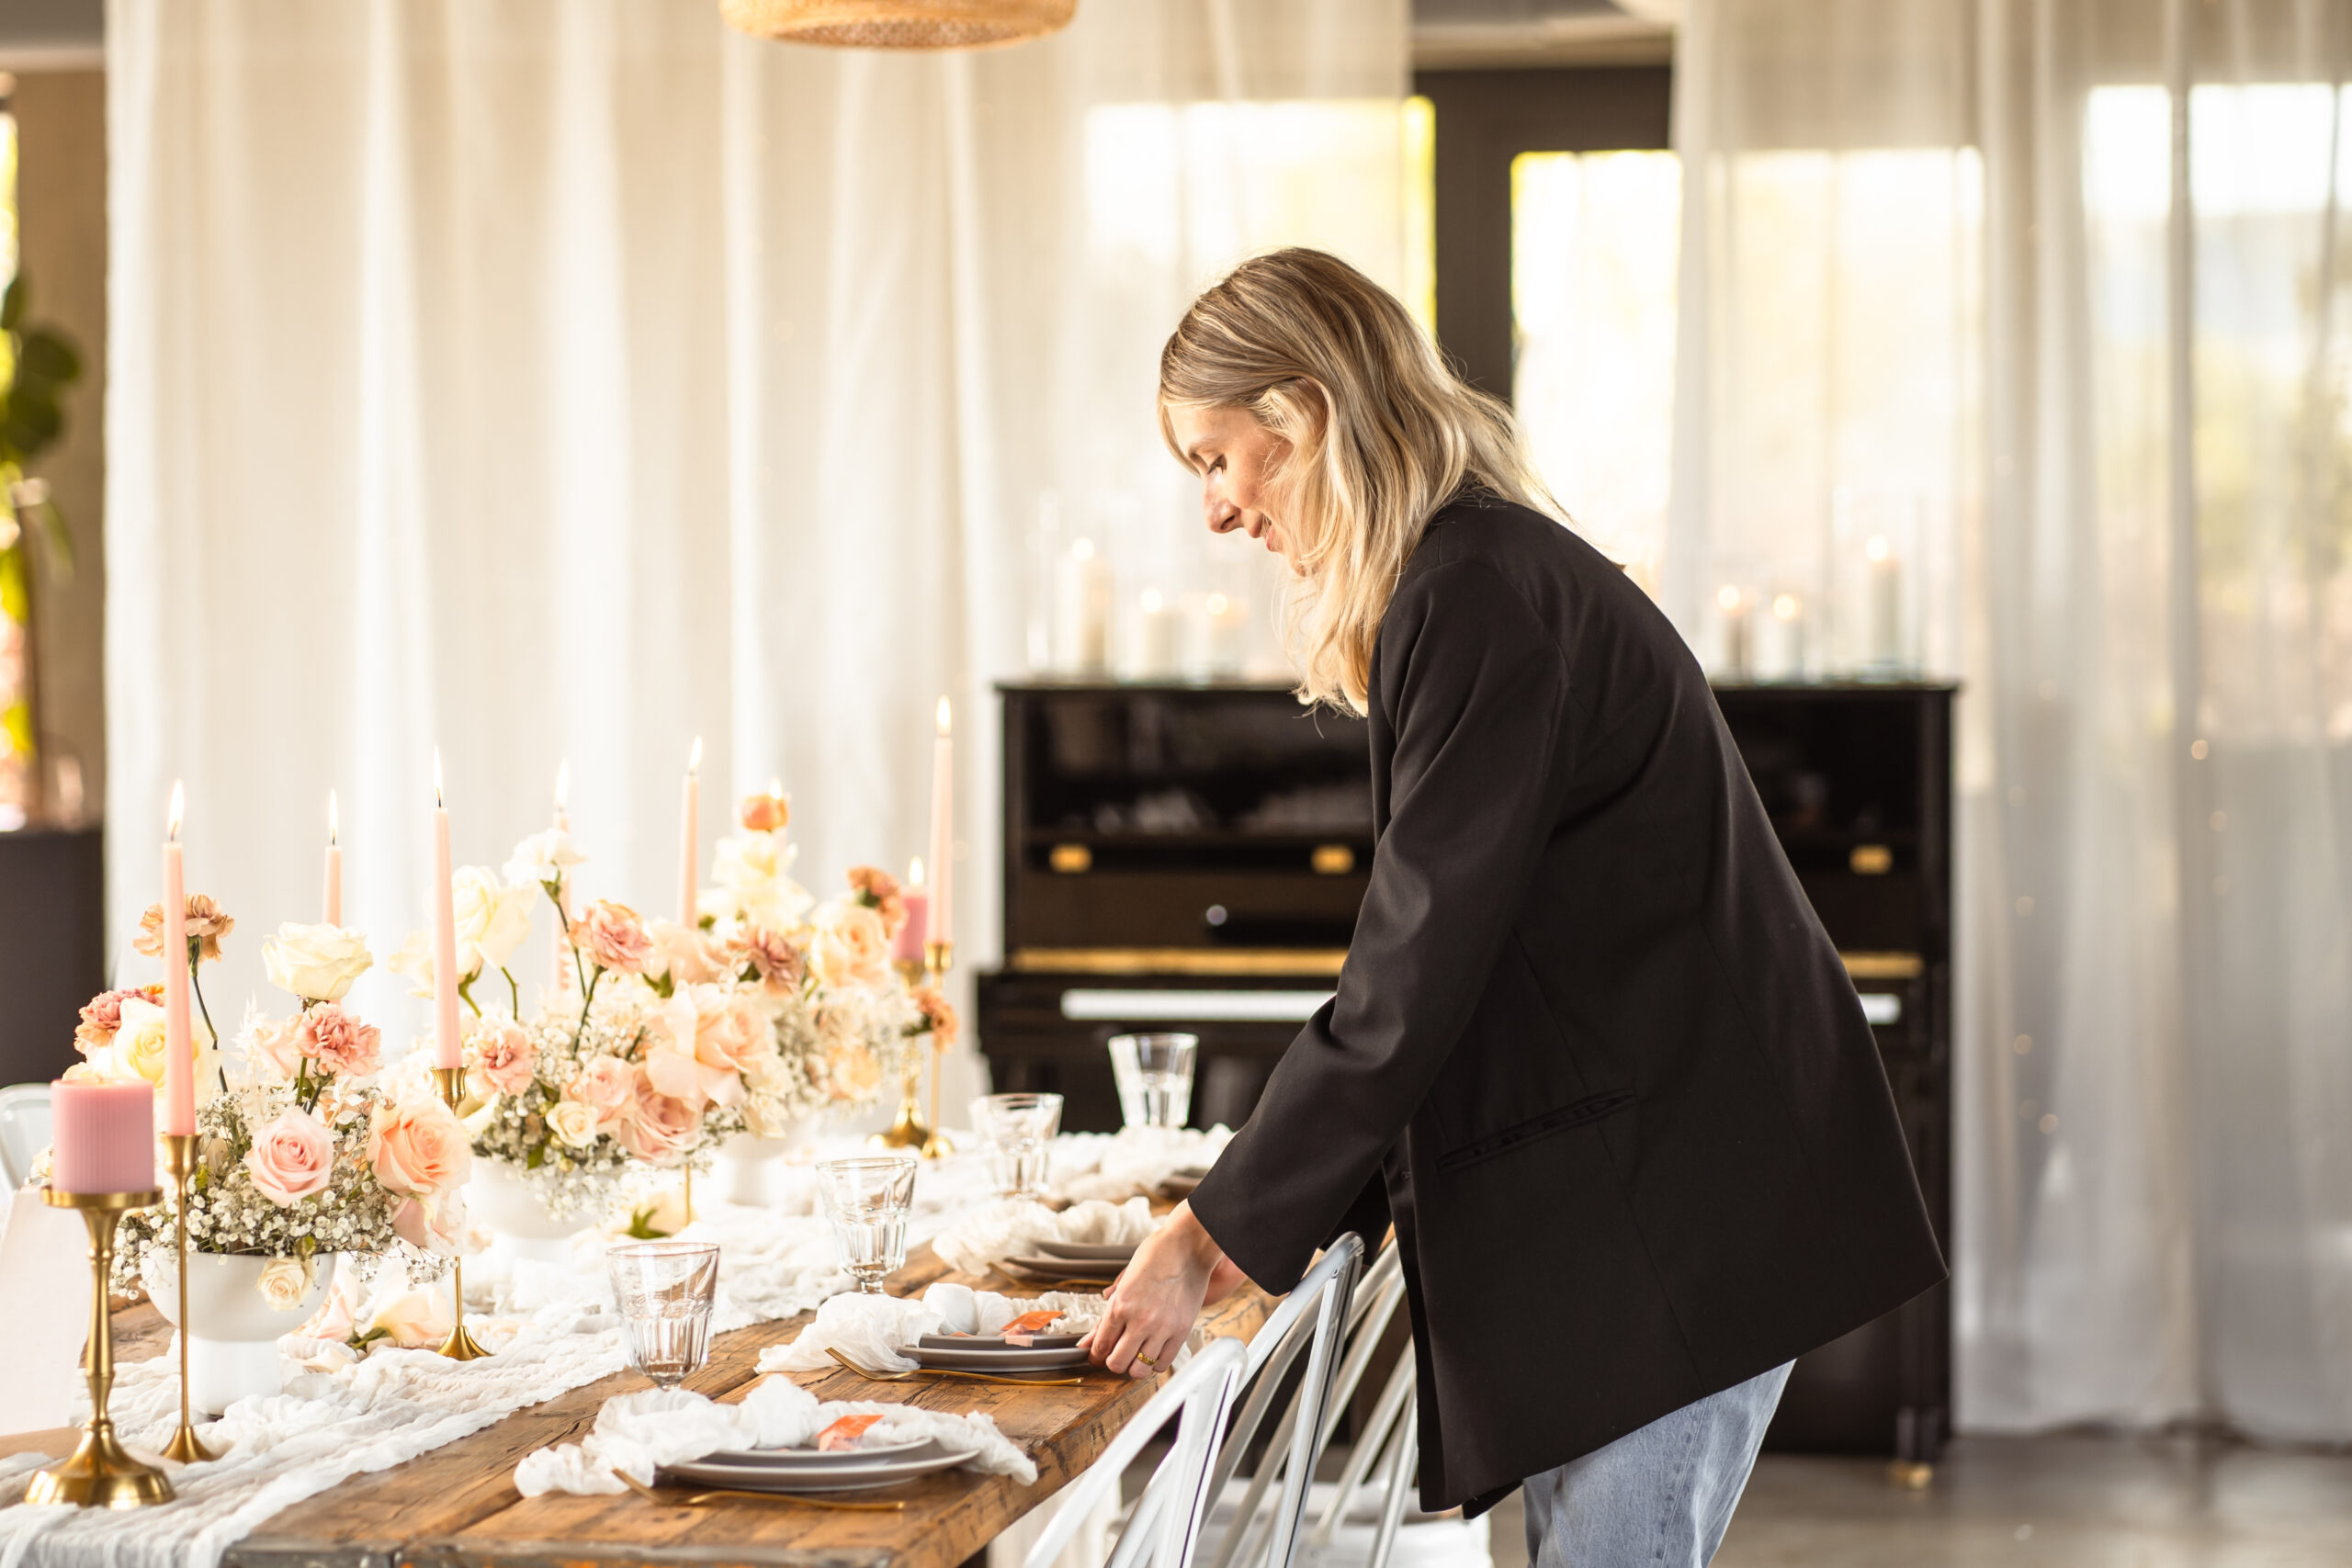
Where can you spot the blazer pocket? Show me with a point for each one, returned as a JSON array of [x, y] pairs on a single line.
[[1591, 1108]]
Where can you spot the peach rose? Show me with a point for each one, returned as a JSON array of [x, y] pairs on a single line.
[[503, 1056], [852, 947], [606, 1082], [670, 1065], [878, 891], [292, 1158], [765, 813], [338, 1042], [680, 953], [660, 1127], [275, 1044], [418, 1147], [613, 937]]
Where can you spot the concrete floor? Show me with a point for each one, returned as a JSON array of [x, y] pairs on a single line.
[[2053, 1502]]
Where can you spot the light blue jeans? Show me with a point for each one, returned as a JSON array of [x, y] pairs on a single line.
[[1660, 1497]]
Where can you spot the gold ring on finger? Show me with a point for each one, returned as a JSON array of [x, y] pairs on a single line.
[[1147, 1361]]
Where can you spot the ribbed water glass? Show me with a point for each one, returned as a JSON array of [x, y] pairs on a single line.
[[1018, 1130], [1154, 1073], [664, 1289], [867, 1200]]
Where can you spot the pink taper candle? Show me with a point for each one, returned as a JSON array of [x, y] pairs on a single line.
[[331, 909], [104, 1135], [689, 832], [908, 949], [446, 1049], [942, 825], [179, 1049], [562, 975]]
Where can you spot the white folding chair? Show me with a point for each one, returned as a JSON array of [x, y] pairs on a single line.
[[1313, 1321], [24, 1130], [1165, 1526]]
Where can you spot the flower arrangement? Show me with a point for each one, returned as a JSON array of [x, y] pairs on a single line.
[[305, 1148]]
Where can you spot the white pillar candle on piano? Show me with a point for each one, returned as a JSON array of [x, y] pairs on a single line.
[[1779, 651], [942, 825], [446, 1050], [1734, 655], [331, 907], [1082, 612], [1882, 603], [1156, 627], [689, 832]]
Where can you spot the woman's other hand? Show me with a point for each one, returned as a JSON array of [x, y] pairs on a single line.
[[1152, 1304]]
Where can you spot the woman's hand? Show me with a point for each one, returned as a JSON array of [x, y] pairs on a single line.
[[1155, 1299]]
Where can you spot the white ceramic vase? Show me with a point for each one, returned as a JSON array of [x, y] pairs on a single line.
[[744, 1171], [521, 1228], [232, 1346]]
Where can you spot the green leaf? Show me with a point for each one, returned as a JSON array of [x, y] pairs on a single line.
[[44, 356], [537, 1157], [662, 988], [12, 304]]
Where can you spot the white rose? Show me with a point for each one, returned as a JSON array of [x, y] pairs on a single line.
[[754, 869], [574, 1121], [284, 1282], [769, 1115], [316, 962], [543, 858], [415, 959], [493, 918], [415, 1320]]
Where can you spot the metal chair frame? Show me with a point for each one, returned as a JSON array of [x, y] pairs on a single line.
[[20, 1103]]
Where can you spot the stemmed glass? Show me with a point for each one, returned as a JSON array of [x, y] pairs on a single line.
[[1018, 1131], [664, 1289], [1154, 1073], [867, 1200]]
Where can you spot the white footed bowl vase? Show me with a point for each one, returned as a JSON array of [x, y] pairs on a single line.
[[522, 1229], [232, 1346], [745, 1167]]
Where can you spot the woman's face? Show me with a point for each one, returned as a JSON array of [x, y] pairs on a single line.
[[1236, 457]]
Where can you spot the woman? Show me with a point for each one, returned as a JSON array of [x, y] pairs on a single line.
[[1591, 1052]]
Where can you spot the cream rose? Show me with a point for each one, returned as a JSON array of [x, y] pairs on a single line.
[[493, 918], [852, 947], [317, 963], [139, 1047], [413, 1320], [503, 1056], [679, 953], [292, 1158], [413, 958], [543, 859], [285, 1281], [417, 1146], [575, 1122]]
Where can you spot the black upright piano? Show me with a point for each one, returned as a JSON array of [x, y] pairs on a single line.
[[1192, 856]]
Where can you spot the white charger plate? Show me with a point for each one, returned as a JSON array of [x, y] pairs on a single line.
[[857, 1472]]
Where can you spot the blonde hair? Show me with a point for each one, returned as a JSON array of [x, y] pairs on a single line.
[[1382, 434]]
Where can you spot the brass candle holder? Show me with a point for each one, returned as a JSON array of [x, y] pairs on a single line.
[[937, 958], [460, 1346], [101, 1473], [908, 1132], [179, 1158]]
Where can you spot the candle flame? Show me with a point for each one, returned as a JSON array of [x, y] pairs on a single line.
[[1152, 601], [1785, 608], [332, 836], [915, 872], [180, 807], [1878, 549], [1082, 550], [562, 783], [1727, 598], [693, 758], [1216, 603], [944, 725], [775, 789], [437, 776]]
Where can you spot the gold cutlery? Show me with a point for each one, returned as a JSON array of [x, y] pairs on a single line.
[[872, 1376], [698, 1498]]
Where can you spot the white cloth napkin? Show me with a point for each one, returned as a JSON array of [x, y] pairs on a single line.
[[1134, 1160], [1011, 1227], [870, 1329], [637, 1433]]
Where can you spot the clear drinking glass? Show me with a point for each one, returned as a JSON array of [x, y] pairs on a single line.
[[867, 1200], [1155, 1077], [1018, 1130], [664, 1289]]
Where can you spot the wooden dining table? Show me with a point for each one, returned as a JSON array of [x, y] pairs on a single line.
[[457, 1507]]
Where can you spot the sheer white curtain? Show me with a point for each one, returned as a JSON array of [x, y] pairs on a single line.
[[2098, 328], [550, 379]]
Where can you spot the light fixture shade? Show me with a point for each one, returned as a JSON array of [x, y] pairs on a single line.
[[898, 24]]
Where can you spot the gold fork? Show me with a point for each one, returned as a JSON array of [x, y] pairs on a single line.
[[699, 1498], [872, 1376]]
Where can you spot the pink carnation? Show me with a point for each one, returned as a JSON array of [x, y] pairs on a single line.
[[338, 1042], [102, 1015], [613, 937], [504, 1056]]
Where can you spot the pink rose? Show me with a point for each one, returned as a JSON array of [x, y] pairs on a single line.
[[431, 1223], [338, 1042], [613, 937], [418, 1147], [504, 1057], [292, 1158], [606, 1082], [730, 1033], [275, 1044], [660, 1127], [852, 948]]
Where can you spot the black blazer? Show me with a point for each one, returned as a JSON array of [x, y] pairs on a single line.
[[1591, 1050]]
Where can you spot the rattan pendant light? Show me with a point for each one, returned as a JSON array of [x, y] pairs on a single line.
[[898, 24]]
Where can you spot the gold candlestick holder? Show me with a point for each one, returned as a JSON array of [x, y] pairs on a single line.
[[101, 1473], [179, 1158], [460, 1346], [937, 958], [909, 1131]]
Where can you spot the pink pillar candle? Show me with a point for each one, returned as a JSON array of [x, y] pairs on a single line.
[[105, 1137], [446, 1051], [180, 1045], [908, 949]]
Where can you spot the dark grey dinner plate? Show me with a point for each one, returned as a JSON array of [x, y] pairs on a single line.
[[1087, 1251], [1005, 1361], [993, 1342], [754, 1470]]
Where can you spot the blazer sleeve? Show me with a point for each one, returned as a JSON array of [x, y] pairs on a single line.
[[1477, 691]]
